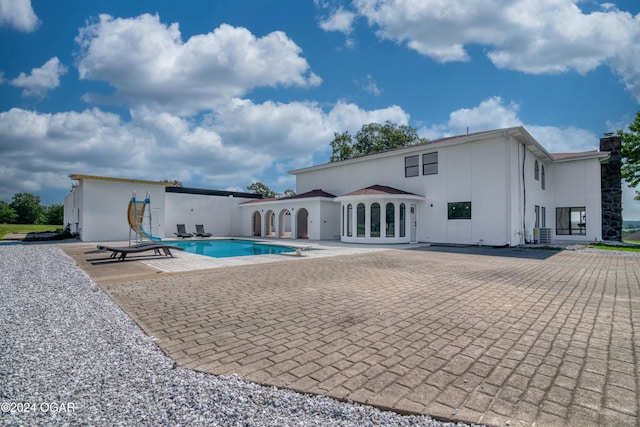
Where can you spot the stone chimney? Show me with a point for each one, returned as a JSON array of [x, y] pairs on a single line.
[[611, 188]]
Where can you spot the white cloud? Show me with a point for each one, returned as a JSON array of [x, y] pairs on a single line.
[[494, 113], [340, 20], [532, 36], [242, 141], [149, 64], [564, 139], [350, 117], [18, 14], [369, 85], [490, 114], [41, 79]]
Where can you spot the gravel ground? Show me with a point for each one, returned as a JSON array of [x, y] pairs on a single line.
[[70, 356]]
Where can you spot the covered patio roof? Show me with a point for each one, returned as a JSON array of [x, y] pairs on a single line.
[[377, 192]]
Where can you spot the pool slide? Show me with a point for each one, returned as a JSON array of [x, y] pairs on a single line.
[[135, 214]]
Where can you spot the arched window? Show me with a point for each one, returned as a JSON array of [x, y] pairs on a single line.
[[349, 220], [402, 220], [389, 220], [360, 211], [536, 171], [542, 180], [375, 220]]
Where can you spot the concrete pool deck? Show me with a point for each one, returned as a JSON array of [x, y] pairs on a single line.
[[500, 337]]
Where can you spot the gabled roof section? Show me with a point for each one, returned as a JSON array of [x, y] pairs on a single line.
[[313, 193], [379, 190], [271, 199]]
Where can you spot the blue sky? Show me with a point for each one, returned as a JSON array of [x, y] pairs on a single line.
[[219, 94]]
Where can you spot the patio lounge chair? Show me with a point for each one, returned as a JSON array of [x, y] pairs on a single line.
[[121, 252], [200, 231], [182, 231]]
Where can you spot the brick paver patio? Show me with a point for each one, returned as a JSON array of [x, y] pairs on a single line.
[[495, 340]]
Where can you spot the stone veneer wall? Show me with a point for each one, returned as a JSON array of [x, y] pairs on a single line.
[[611, 189]]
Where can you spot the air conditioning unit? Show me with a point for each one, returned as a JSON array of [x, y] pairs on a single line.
[[544, 236]]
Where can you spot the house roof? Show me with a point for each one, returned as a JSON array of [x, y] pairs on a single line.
[[313, 193], [306, 195], [206, 192], [379, 190], [561, 157], [270, 199]]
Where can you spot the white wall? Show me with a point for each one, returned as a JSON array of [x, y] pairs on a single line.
[[330, 221], [218, 214], [323, 219], [105, 204], [577, 184], [72, 209]]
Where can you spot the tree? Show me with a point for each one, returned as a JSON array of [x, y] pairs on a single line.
[[373, 138], [54, 214], [341, 146], [27, 207], [631, 154], [7, 214], [173, 183], [289, 193], [260, 188]]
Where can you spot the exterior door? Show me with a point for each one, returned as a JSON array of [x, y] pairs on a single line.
[[413, 224]]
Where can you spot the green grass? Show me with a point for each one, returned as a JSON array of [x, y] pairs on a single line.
[[615, 247], [27, 228]]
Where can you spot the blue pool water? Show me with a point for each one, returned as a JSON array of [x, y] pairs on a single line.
[[229, 248]]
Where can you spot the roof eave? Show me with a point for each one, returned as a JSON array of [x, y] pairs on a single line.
[[78, 177], [602, 156], [359, 197]]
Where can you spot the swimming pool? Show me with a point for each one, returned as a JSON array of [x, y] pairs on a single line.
[[229, 248]]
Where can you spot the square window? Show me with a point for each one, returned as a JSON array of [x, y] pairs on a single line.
[[430, 163], [411, 166], [571, 221]]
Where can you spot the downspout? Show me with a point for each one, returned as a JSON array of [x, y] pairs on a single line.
[[524, 195], [509, 190]]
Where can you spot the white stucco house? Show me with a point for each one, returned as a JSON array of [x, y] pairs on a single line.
[[498, 187]]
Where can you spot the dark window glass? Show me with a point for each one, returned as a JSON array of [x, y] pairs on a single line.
[[390, 220], [430, 163], [571, 221], [459, 210], [360, 212], [411, 166], [375, 220]]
